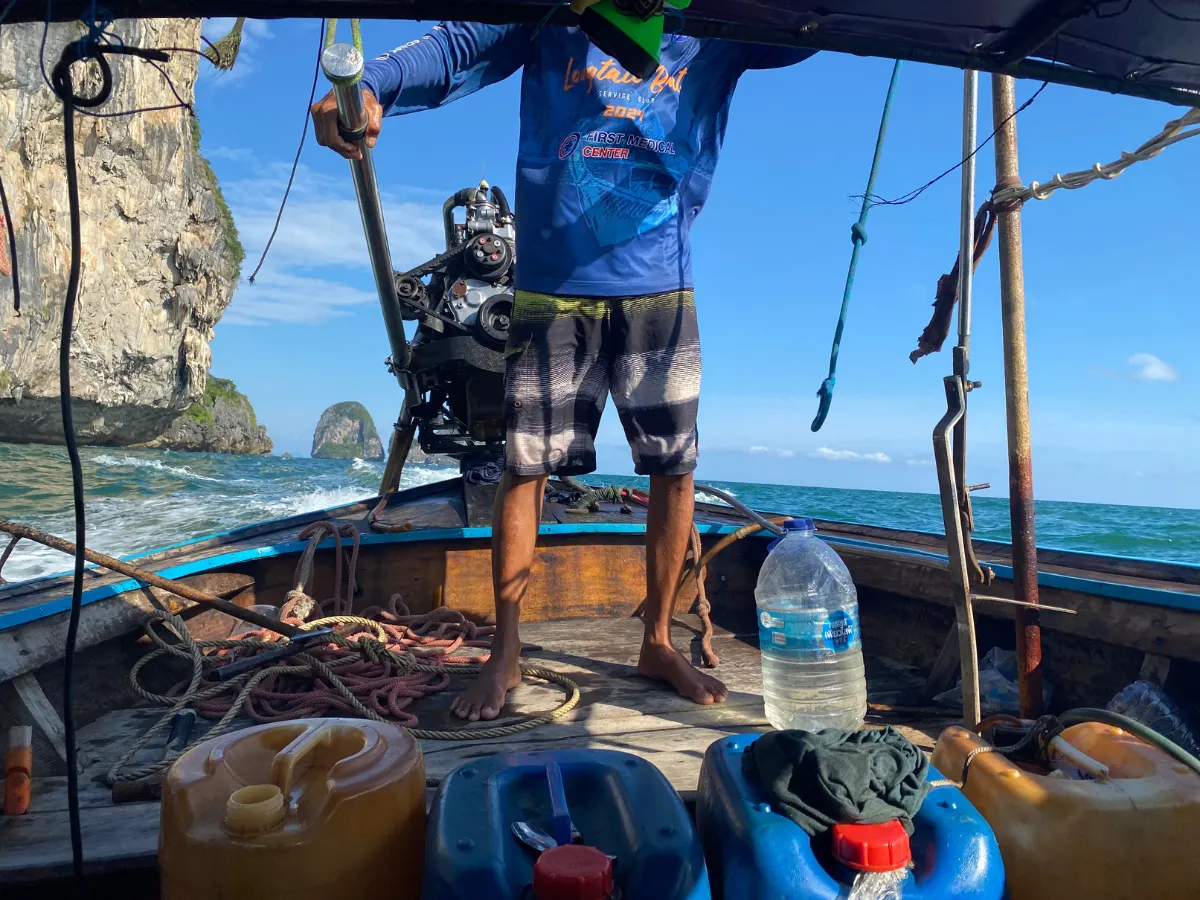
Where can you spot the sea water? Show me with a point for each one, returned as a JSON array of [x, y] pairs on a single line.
[[139, 500]]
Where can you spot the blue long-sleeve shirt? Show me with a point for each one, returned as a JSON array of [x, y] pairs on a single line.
[[611, 169]]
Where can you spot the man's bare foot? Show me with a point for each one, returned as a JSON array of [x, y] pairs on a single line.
[[484, 696], [665, 663]]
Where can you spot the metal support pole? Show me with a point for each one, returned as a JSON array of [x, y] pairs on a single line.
[[966, 218], [955, 419], [1016, 402], [343, 66]]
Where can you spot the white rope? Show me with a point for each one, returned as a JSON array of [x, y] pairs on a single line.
[[1173, 132]]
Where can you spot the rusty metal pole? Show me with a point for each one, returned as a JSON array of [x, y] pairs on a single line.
[[1016, 403]]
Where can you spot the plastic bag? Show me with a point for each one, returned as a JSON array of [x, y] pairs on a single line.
[[997, 685], [879, 885], [1146, 702]]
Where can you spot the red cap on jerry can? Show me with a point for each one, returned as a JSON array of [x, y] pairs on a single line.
[[872, 848], [572, 872]]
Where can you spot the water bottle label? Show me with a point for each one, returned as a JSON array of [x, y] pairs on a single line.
[[839, 631], [802, 632]]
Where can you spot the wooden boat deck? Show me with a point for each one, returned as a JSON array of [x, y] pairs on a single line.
[[618, 710]]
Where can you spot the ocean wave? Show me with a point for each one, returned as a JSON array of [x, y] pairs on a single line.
[[157, 465], [140, 501], [309, 501], [415, 476]]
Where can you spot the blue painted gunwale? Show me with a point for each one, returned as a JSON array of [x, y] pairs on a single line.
[[1098, 587]]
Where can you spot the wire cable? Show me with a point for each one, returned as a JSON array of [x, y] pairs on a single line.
[[77, 51], [917, 192], [312, 94], [1171, 15], [12, 250]]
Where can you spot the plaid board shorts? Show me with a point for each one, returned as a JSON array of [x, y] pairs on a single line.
[[564, 356]]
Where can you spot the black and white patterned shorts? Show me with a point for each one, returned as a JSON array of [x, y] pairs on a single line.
[[566, 354]]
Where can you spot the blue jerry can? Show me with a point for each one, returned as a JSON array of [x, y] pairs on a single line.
[[618, 803], [753, 852]]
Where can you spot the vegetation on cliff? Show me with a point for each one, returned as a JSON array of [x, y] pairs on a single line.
[[346, 431], [222, 421]]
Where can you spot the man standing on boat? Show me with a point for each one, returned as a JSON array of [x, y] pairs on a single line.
[[611, 172]]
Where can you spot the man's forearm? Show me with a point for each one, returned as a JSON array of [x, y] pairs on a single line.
[[452, 61]]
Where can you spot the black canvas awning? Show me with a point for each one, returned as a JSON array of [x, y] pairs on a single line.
[[1147, 48]]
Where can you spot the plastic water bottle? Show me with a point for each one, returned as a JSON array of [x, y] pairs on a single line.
[[808, 633]]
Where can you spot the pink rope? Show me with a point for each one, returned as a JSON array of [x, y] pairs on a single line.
[[379, 684]]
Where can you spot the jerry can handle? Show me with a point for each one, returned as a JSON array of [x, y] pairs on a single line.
[[283, 766], [564, 828]]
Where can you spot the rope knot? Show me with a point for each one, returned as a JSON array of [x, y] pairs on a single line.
[[370, 648], [297, 604], [1005, 184], [858, 233]]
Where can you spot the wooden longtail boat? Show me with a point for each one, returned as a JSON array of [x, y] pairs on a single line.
[[1131, 618], [1103, 621]]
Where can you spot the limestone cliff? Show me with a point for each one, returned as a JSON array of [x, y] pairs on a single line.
[[346, 431], [160, 254], [222, 421]]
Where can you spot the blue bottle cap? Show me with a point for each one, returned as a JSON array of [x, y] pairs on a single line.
[[802, 524]]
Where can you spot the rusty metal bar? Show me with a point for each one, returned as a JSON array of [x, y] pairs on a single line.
[[1016, 404], [187, 592], [987, 598]]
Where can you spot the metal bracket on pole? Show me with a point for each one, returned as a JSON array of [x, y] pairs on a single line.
[[403, 433], [343, 66]]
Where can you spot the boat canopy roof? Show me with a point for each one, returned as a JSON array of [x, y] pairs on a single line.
[[1146, 48]]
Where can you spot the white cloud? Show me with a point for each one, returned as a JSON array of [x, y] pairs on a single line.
[[918, 462], [294, 299], [319, 246], [759, 450], [234, 154], [849, 455], [255, 32], [1149, 367]]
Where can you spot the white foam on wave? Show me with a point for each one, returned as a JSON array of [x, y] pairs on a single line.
[[138, 463], [702, 497], [305, 502], [363, 465], [124, 526], [415, 476]]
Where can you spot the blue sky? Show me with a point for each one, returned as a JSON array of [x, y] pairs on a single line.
[[1113, 312]]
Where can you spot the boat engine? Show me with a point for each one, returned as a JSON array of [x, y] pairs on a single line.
[[462, 300]]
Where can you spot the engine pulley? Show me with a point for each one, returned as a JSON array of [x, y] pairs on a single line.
[[487, 257], [410, 290], [494, 320]]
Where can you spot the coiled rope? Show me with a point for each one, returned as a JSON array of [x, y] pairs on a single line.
[[373, 666]]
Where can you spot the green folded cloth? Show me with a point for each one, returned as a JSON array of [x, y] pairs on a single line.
[[821, 779]]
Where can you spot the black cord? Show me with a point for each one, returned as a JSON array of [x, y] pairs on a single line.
[[1170, 15], [917, 192], [312, 94], [64, 88], [12, 250]]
